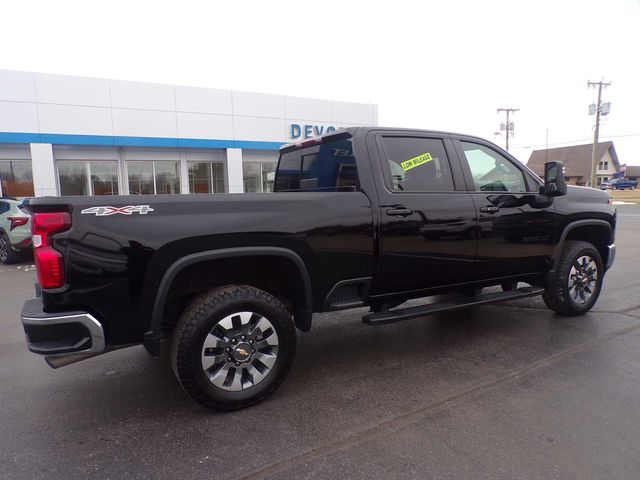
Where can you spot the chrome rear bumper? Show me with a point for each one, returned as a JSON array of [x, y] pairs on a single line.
[[61, 333]]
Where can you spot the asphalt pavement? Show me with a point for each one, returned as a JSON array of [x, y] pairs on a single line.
[[498, 392]]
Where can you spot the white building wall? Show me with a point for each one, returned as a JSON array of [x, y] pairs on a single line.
[[203, 100], [45, 103], [18, 117], [66, 90], [44, 170], [233, 171], [95, 112]]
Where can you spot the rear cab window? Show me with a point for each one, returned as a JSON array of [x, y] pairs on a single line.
[[324, 167]]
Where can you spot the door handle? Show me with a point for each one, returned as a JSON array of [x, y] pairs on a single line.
[[399, 212], [489, 209]]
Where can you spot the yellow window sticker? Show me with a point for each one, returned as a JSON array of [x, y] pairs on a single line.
[[416, 161]]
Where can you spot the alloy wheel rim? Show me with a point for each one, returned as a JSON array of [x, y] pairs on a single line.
[[583, 279], [239, 351]]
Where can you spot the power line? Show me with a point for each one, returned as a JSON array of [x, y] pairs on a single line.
[[577, 140]]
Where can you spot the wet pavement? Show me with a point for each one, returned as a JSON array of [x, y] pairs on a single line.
[[507, 391]]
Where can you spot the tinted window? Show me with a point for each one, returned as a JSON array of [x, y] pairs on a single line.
[[491, 171], [4, 207], [417, 164], [329, 166]]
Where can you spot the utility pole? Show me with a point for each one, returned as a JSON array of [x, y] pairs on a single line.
[[596, 131], [508, 127]]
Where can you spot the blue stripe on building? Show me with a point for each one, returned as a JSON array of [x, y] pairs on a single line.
[[118, 141]]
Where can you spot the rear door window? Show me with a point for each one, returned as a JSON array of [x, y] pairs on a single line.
[[417, 164]]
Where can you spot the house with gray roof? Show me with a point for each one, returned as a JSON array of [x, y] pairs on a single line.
[[577, 162]]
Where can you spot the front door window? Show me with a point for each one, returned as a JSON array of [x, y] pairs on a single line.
[[491, 171]]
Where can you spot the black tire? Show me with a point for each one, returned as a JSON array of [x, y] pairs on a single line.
[[202, 317], [7, 255], [557, 295]]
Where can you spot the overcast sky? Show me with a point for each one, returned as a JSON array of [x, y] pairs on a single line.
[[444, 65]]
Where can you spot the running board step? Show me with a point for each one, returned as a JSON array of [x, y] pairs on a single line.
[[393, 316]]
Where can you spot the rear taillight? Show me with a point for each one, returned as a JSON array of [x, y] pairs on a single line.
[[17, 222], [49, 263]]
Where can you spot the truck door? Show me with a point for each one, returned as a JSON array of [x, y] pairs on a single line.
[[427, 218], [516, 223]]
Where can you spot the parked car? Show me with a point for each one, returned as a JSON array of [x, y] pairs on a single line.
[[15, 231], [361, 217], [619, 184]]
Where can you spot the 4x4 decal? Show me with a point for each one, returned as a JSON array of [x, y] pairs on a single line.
[[106, 210]]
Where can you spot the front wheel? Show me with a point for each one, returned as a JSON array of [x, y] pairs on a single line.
[[577, 281], [233, 347]]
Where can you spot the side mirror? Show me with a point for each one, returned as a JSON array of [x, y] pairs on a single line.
[[554, 184]]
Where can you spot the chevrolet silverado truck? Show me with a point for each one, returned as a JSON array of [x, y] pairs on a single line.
[[362, 217]]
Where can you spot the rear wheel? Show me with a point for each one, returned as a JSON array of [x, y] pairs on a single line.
[[233, 347], [7, 255], [578, 280]]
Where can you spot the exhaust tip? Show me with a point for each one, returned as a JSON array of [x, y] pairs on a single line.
[[58, 361]]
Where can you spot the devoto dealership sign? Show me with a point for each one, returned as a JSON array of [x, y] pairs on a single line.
[[297, 131]]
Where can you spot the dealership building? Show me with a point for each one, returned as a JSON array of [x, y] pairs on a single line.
[[64, 135]]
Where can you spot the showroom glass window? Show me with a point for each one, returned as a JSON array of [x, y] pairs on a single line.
[[150, 177], [251, 177], [140, 178], [104, 178], [206, 177], [16, 178], [167, 176], [258, 176], [73, 178], [268, 176], [88, 178]]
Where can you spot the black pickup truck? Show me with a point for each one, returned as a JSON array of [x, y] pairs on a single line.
[[360, 217]]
